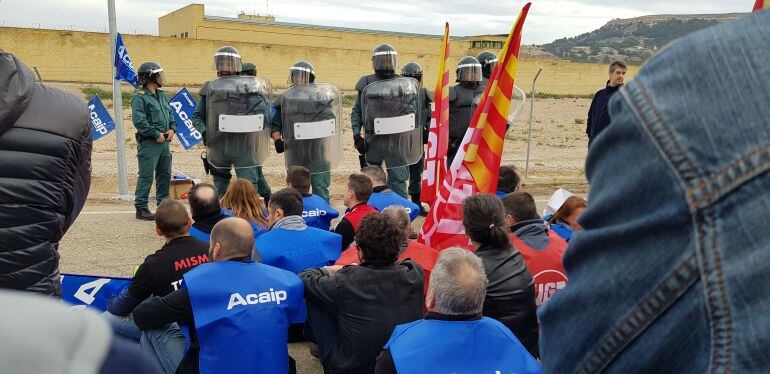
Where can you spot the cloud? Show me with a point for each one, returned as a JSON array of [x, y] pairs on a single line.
[[548, 19]]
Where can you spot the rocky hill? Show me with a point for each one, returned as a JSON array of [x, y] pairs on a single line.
[[631, 40]]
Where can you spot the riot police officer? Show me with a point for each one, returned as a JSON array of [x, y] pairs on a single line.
[[155, 128], [414, 70], [383, 110], [232, 112], [488, 60], [461, 98], [263, 187], [306, 125]]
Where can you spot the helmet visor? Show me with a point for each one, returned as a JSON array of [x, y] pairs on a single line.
[[299, 75], [158, 76], [385, 60], [227, 62], [469, 72], [490, 65]]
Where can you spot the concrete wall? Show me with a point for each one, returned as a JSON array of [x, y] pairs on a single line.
[[73, 56]]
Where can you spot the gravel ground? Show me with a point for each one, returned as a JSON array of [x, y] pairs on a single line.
[[107, 240]]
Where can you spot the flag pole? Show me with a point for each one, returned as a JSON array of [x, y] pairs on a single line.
[[117, 104], [529, 132]]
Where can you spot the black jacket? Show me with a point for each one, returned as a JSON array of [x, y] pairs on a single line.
[[45, 175], [598, 116], [510, 293], [368, 303]]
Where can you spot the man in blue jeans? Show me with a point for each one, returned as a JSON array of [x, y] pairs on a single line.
[[670, 272]]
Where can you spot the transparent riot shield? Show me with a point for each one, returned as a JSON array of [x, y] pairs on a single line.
[[391, 113], [312, 129], [238, 117], [518, 98]]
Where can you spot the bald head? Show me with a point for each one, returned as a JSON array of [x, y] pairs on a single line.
[[231, 238], [203, 199]]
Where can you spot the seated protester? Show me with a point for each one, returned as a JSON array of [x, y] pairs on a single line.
[[352, 310], [159, 275], [511, 290], [291, 244], [508, 181], [565, 220], [541, 247], [410, 249], [355, 199], [454, 337], [205, 209], [383, 197], [238, 311], [242, 201], [315, 210]]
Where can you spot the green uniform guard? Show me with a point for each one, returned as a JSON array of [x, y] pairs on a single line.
[[302, 73], [155, 128]]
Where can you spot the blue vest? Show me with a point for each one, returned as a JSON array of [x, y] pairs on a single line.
[[298, 250], [317, 212], [436, 346], [500, 194], [200, 235], [382, 200], [242, 313]]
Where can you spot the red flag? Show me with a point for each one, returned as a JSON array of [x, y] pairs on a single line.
[[761, 4], [438, 138], [477, 164]]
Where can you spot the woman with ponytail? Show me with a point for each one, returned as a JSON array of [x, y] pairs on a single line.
[[511, 290]]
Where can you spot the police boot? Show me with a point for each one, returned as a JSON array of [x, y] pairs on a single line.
[[144, 214], [416, 200]]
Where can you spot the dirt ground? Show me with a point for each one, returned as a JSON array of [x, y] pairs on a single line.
[[107, 240]]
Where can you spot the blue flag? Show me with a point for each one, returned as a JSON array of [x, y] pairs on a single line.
[[124, 70], [183, 105], [101, 122], [91, 291]]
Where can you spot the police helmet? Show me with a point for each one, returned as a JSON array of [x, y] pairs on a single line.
[[469, 70], [227, 61], [150, 72], [488, 61], [301, 73], [412, 70], [384, 58], [249, 69]]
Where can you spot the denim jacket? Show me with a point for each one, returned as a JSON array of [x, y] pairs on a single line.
[[671, 272]]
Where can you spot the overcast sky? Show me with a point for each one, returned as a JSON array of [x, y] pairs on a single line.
[[548, 19]]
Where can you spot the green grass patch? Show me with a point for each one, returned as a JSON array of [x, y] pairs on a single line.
[[579, 121], [348, 101]]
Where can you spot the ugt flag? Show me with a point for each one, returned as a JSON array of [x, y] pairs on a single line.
[[438, 137], [124, 70], [91, 291], [101, 122], [477, 164], [183, 105], [761, 4]]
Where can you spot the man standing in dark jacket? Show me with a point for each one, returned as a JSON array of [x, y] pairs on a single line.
[[598, 116], [45, 164], [352, 310]]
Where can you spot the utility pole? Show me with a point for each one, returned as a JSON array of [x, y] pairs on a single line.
[[117, 104]]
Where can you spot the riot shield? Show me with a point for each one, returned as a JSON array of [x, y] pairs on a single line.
[[237, 123], [312, 129], [391, 112], [518, 98]]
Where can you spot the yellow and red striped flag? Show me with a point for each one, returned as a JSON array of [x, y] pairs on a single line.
[[438, 138], [477, 164], [761, 4]]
